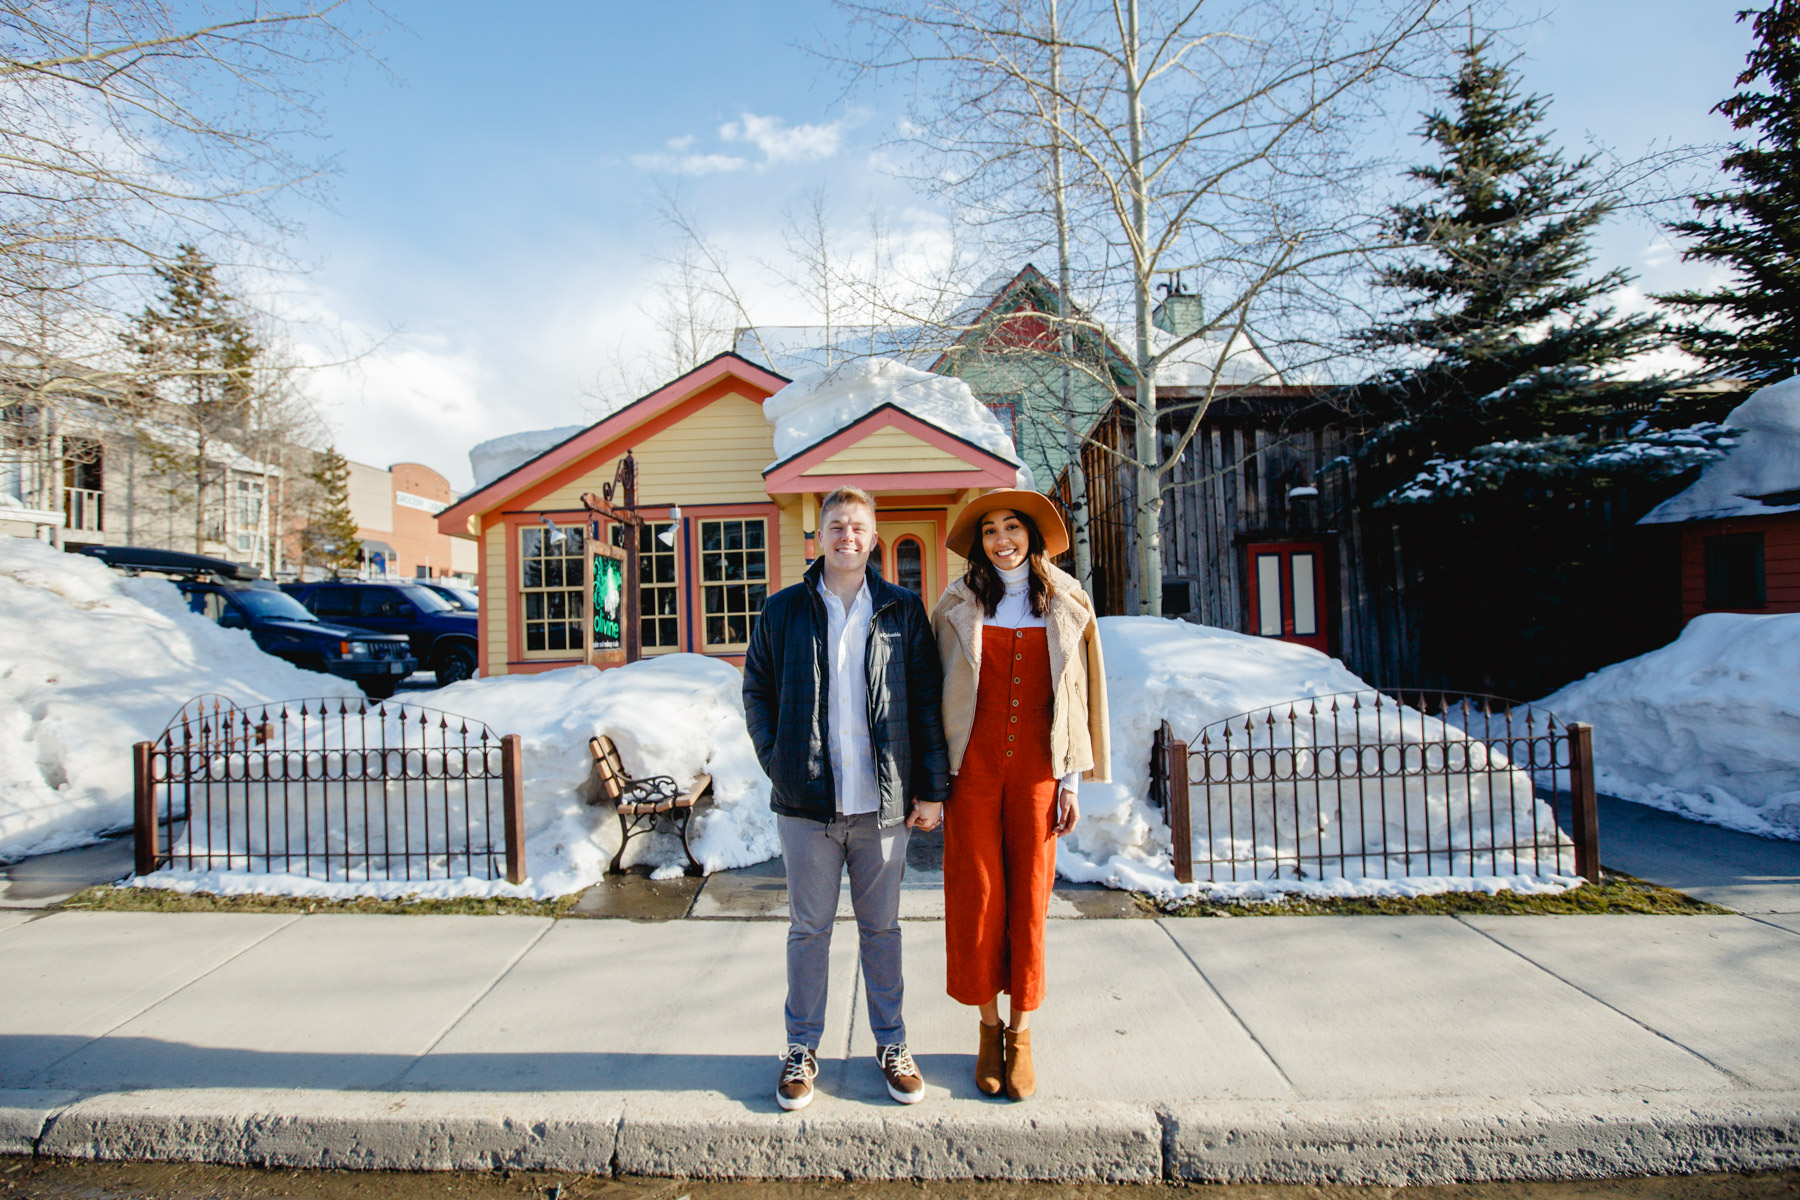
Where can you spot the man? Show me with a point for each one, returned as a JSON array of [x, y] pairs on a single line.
[[841, 691]]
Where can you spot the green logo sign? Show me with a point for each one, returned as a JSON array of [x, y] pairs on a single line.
[[609, 599]]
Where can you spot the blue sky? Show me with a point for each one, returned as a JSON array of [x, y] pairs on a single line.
[[493, 229]]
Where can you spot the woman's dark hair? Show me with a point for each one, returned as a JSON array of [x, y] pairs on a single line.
[[984, 579]]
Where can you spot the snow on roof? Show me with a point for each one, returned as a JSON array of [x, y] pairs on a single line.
[[792, 350], [818, 404], [503, 455], [1236, 362], [1764, 463]]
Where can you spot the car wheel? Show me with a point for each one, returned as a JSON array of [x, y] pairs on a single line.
[[378, 689], [455, 665]]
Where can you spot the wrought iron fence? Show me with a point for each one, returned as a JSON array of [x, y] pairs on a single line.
[[1364, 785], [335, 789]]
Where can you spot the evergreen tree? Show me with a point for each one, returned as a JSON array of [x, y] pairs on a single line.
[[196, 363], [1513, 344], [330, 537], [1507, 451], [1751, 326]]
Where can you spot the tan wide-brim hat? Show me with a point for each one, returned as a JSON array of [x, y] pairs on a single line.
[[1034, 505]]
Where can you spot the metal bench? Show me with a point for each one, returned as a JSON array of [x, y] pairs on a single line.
[[644, 803]]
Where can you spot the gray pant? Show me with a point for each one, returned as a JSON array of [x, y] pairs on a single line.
[[815, 855]]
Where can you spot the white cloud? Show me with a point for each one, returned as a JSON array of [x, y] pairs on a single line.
[[689, 164], [782, 143]]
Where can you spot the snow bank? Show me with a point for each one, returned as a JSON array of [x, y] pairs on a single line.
[[817, 405], [677, 715], [91, 662], [1765, 462], [498, 456], [1708, 726], [1194, 675]]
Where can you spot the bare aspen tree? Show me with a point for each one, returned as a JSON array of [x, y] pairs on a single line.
[[1211, 138]]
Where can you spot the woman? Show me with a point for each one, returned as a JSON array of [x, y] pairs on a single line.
[[1025, 717]]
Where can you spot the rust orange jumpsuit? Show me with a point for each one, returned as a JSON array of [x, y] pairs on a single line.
[[999, 844]]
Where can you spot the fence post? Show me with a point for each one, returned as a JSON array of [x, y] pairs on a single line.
[[512, 772], [143, 810], [1585, 817], [1179, 830], [1159, 766]]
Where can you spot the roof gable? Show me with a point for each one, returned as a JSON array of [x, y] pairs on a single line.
[[531, 474], [886, 449]]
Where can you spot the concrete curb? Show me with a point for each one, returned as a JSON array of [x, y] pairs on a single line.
[[1388, 1143], [1401, 1144], [401, 1131], [1111, 1143]]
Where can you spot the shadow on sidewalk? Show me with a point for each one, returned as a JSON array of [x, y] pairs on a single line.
[[116, 1064]]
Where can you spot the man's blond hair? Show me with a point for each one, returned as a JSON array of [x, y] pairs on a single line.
[[847, 494]]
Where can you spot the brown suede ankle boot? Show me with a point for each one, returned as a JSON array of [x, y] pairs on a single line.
[[990, 1060], [1021, 1077]]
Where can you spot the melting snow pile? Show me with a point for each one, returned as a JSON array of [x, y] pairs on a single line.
[[1194, 675], [817, 405], [677, 715], [1708, 726], [98, 661], [93, 662]]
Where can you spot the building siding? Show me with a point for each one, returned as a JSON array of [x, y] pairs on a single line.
[[1781, 562], [496, 586], [714, 455], [889, 450]]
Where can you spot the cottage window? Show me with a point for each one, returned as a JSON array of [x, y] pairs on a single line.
[[659, 590], [909, 564], [734, 580], [1735, 577], [552, 575]]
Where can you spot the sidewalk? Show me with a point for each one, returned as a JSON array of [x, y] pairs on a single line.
[[1281, 1049], [1381, 1049]]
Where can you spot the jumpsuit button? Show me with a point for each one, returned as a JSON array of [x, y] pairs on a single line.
[[1011, 737], [1015, 704], [1018, 633], [1018, 658], [1015, 720], [1009, 754], [1015, 679]]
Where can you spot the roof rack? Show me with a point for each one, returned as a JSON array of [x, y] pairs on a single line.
[[140, 559]]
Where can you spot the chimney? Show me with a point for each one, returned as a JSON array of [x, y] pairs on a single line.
[[1178, 314]]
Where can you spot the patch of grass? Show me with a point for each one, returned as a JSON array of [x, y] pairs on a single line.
[[1615, 893], [111, 898]]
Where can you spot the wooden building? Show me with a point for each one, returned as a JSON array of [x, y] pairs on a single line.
[[726, 521], [1738, 525]]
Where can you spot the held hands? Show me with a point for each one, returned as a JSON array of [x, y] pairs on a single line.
[[1067, 812], [926, 816]]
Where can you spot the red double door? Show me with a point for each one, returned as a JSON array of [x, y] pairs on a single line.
[[1287, 592]]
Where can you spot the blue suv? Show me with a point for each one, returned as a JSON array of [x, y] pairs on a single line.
[[234, 596], [442, 637]]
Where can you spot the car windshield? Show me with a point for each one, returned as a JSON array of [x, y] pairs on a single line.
[[266, 602], [427, 600], [461, 597]]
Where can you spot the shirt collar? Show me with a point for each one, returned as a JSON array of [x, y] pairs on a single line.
[[863, 595]]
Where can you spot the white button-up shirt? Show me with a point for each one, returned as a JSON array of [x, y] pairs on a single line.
[[1014, 612], [847, 650]]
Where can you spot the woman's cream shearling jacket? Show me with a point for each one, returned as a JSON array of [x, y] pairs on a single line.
[[1078, 737]]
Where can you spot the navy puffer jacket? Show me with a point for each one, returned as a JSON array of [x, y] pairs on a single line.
[[786, 701]]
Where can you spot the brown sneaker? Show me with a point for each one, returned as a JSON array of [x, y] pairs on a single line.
[[904, 1083], [798, 1067]]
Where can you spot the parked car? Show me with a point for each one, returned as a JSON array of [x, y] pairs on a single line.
[[443, 638], [233, 595], [459, 596]]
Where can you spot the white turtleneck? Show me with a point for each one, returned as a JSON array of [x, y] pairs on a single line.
[[1014, 612]]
